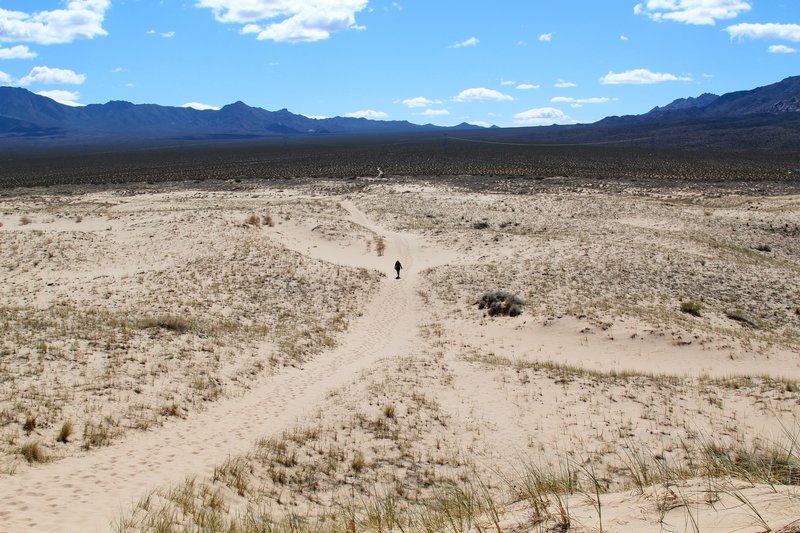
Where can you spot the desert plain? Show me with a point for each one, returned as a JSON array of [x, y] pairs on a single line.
[[238, 355]]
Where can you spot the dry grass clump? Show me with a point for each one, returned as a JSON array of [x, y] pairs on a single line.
[[65, 432], [253, 220], [33, 452]]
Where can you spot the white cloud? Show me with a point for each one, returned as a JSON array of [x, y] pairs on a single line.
[[561, 84], [522, 43], [481, 94], [151, 32], [580, 101], [546, 37], [168, 34], [80, 19], [639, 76], [4, 78], [527, 86], [507, 82], [480, 123], [315, 117], [542, 116], [787, 32], [200, 106], [419, 101], [433, 113], [623, 38], [16, 52], [52, 76], [472, 41], [781, 49], [290, 21], [705, 12], [117, 70], [69, 98], [367, 113]]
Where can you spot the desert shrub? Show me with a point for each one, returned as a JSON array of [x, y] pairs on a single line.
[[480, 225], [389, 410], [691, 308], [25, 220], [501, 303], [168, 322], [359, 462], [380, 245], [253, 220], [764, 248], [268, 221], [30, 423]]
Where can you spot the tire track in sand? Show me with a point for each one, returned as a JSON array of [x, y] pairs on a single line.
[[86, 493]]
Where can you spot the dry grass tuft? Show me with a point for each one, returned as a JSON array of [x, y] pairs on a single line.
[[33, 452]]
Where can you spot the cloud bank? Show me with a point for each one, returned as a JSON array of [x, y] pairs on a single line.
[[541, 116], [80, 19], [419, 101], [699, 12], [200, 106], [481, 94], [69, 98], [291, 21], [640, 76], [52, 76], [787, 32], [472, 41], [16, 52], [367, 113]]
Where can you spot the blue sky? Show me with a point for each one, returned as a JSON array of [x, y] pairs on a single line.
[[504, 62]]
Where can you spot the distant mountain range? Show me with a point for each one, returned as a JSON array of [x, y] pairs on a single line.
[[762, 118], [25, 114], [775, 99]]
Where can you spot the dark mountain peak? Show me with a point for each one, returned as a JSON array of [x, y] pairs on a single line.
[[24, 105], [237, 105], [698, 102]]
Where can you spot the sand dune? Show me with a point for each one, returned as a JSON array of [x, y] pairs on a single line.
[[245, 325]]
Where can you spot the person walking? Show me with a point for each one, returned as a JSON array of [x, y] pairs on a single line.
[[397, 267]]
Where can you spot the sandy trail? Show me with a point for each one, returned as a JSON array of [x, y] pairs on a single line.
[[86, 493]]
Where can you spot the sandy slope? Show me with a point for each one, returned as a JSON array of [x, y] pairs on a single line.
[[81, 494]]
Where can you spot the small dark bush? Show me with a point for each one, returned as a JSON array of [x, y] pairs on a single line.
[[691, 308], [501, 303], [764, 248], [740, 316], [167, 322], [480, 225]]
